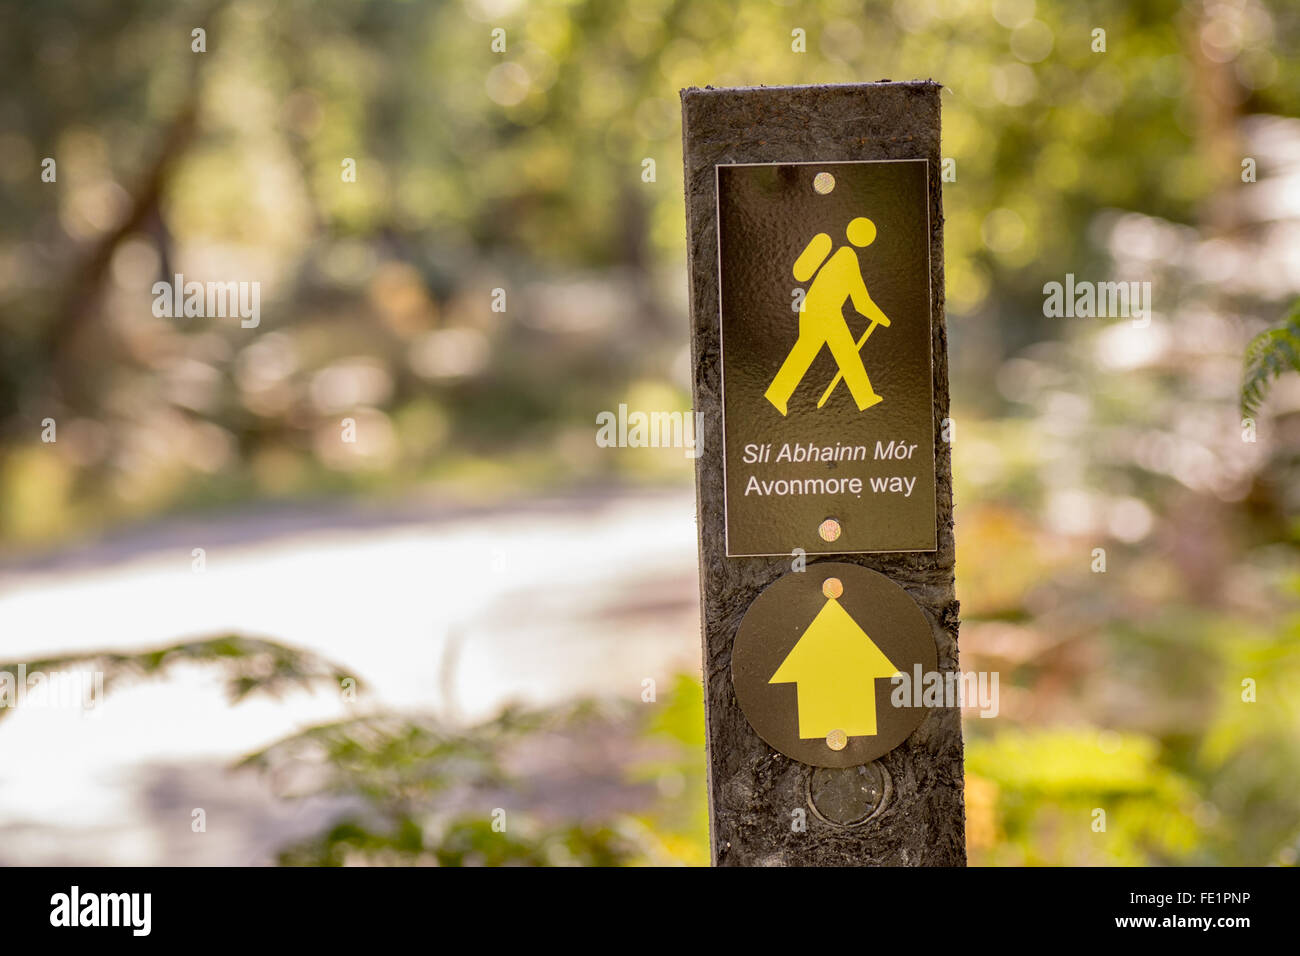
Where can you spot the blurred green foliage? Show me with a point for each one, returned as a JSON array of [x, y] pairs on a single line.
[[248, 666], [427, 791], [1074, 795], [402, 769], [680, 820]]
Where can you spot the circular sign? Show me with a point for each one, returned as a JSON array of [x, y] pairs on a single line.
[[814, 664]]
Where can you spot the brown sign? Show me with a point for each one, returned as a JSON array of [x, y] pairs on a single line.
[[834, 666], [828, 401]]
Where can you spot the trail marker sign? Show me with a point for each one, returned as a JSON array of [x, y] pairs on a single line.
[[815, 238], [813, 259], [814, 659]]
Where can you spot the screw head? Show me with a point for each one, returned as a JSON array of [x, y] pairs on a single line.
[[823, 183], [837, 740], [829, 529], [832, 587]]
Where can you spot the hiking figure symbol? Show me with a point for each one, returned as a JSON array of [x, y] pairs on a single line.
[[822, 322]]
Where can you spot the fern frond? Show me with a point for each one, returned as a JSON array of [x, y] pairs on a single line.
[[1269, 355]]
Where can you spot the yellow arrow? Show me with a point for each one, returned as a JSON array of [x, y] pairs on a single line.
[[835, 665]]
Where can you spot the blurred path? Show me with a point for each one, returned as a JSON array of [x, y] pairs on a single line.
[[435, 609]]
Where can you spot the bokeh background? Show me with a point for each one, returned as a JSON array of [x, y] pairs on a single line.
[[474, 612]]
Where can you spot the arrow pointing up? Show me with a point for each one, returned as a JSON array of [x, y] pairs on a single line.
[[835, 665]]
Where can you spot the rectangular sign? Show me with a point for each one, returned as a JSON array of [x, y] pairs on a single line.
[[827, 381]]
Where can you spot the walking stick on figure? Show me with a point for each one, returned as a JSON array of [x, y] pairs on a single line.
[[839, 376]]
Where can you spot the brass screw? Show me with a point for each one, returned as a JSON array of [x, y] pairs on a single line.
[[829, 529], [823, 183], [837, 740], [832, 587]]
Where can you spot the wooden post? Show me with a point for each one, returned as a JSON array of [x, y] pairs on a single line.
[[905, 808]]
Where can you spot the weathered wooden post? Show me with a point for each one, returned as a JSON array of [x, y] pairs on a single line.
[[824, 487]]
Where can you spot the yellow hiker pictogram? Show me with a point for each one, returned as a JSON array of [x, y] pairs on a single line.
[[835, 665], [821, 320]]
